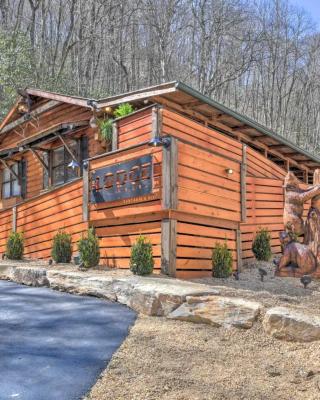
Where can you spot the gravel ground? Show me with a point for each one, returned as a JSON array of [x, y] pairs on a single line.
[[273, 291], [173, 360]]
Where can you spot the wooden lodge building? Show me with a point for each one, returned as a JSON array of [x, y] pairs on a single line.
[[182, 169]]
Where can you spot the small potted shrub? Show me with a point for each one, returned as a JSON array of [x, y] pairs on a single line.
[[15, 246], [141, 261], [221, 261], [62, 247], [89, 250], [261, 246], [123, 110]]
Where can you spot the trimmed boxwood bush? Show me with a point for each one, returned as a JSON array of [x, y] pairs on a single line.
[[261, 246], [89, 250], [15, 246], [221, 261], [141, 261], [62, 247]]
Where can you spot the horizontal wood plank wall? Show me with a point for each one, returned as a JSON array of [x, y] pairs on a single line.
[[5, 228], [259, 165], [265, 202], [209, 209], [195, 242], [204, 187], [264, 209], [134, 129], [119, 223], [186, 129], [40, 218]]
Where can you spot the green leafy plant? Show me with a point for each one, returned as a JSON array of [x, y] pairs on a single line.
[[261, 246], [89, 250], [105, 128], [15, 246], [141, 261], [62, 247], [123, 110], [221, 261]]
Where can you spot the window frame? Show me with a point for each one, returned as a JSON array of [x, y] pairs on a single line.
[[48, 177], [12, 179]]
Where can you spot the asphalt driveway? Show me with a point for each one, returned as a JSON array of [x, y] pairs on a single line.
[[53, 345]]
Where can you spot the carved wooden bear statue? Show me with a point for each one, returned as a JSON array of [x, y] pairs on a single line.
[[296, 256]]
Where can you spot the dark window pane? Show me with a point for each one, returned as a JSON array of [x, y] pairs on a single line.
[[58, 156], [58, 175]]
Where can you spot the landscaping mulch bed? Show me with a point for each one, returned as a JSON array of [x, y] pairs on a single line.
[[173, 360]]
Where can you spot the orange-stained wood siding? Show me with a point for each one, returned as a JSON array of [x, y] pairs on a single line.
[[186, 129], [62, 113], [195, 240], [41, 217], [135, 129], [204, 187], [5, 227], [265, 202]]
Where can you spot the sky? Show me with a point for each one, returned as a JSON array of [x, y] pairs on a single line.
[[312, 6]]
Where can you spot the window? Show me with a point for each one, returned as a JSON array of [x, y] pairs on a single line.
[[10, 184], [58, 160]]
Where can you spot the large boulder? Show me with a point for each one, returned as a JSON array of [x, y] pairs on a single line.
[[157, 295], [218, 311], [83, 283], [291, 325]]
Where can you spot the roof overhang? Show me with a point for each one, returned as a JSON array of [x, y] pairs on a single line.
[[196, 105]]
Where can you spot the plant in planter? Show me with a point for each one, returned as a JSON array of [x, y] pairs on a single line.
[[15, 246], [123, 110], [62, 247], [105, 124], [105, 130]]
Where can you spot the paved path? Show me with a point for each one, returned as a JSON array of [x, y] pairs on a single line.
[[53, 346]]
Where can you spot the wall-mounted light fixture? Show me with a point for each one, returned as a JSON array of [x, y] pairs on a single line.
[[107, 110], [73, 164], [160, 141], [23, 107], [229, 171]]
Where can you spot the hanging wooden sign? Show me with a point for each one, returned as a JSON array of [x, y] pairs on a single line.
[[122, 180]]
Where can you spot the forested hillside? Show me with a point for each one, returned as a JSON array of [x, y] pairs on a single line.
[[260, 57]]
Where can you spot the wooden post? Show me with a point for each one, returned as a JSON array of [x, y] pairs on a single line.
[[156, 129], [168, 246], [170, 175], [14, 219], [85, 194], [243, 183], [169, 201], [114, 136], [239, 250]]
